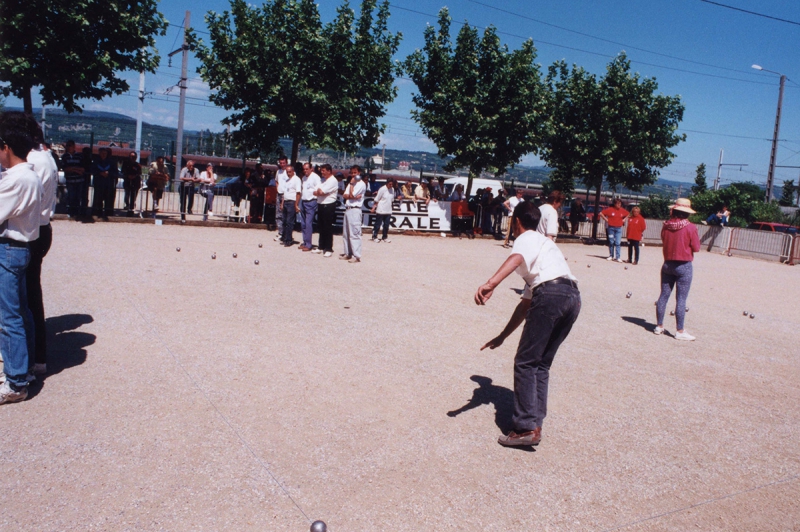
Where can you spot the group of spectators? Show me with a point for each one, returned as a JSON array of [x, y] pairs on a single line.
[[27, 201]]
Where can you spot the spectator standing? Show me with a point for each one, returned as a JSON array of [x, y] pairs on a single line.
[[188, 178], [327, 194], [382, 207], [290, 205], [548, 225], [72, 166], [615, 217], [458, 193], [239, 189], [157, 180], [498, 213], [422, 192], [46, 169], [351, 232], [256, 188], [549, 307], [20, 216], [87, 161], [511, 204], [486, 211], [308, 208], [681, 242], [636, 227], [104, 172], [281, 177], [208, 179], [374, 186], [439, 190], [577, 214], [131, 181]]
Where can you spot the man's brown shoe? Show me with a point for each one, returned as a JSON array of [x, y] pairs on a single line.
[[303, 248], [532, 437]]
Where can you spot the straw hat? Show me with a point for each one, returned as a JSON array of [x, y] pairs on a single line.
[[683, 204]]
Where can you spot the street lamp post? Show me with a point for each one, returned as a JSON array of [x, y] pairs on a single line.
[[773, 154]]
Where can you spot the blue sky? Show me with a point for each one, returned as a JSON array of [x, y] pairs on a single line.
[[694, 49]]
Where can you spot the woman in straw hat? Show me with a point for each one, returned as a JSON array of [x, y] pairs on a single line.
[[681, 242]]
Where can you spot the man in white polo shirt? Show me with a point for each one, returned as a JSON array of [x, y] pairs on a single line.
[[20, 216], [548, 225], [280, 182], [308, 204], [549, 307], [351, 232], [290, 205]]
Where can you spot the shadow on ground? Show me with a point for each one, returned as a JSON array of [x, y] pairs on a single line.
[[65, 346]]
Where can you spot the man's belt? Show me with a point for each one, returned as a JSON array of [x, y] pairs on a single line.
[[558, 280]]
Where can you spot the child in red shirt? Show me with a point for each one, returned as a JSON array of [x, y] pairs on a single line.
[[636, 227]]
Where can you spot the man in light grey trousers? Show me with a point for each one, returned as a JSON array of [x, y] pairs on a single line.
[[351, 232]]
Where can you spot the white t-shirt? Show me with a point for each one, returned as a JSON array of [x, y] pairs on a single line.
[[383, 200], [543, 261], [331, 189], [548, 224], [45, 167], [513, 201], [20, 203], [310, 184], [291, 188], [358, 189], [281, 177]]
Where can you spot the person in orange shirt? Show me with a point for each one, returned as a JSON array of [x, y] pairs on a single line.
[[636, 227], [615, 217]]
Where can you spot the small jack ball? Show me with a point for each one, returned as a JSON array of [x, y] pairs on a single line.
[[588, 265], [319, 526], [261, 245], [178, 250], [626, 267], [257, 263], [214, 256], [745, 313], [752, 316], [235, 255]]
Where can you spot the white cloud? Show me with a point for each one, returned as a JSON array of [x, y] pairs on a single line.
[[407, 142]]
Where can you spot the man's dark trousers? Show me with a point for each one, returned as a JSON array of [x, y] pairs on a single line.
[[326, 215], [554, 309]]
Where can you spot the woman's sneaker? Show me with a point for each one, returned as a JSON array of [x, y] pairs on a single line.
[[9, 395], [658, 330], [685, 336]]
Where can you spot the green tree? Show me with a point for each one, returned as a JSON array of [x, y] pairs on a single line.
[[614, 128], [700, 180], [479, 103], [282, 73], [744, 200], [787, 194], [74, 49], [656, 206]]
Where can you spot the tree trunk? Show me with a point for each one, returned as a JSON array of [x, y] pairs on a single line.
[[295, 150], [598, 191], [27, 100], [469, 184]]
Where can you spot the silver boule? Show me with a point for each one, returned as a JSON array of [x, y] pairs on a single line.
[[588, 265], [260, 245], [687, 309], [235, 255], [178, 250], [671, 312], [626, 267], [257, 263], [745, 313], [214, 256], [319, 526], [752, 316]]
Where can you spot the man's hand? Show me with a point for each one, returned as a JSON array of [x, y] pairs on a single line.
[[494, 343], [483, 294]]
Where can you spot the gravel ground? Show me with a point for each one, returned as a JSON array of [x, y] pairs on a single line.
[[188, 393]]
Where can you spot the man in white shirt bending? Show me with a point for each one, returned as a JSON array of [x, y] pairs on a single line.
[[351, 232], [549, 307], [327, 194]]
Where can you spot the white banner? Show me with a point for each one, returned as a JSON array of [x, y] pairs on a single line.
[[406, 215]]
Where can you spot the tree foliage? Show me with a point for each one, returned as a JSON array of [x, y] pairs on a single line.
[[656, 206], [74, 49], [700, 184], [478, 102], [787, 194], [282, 73], [744, 200], [615, 128]]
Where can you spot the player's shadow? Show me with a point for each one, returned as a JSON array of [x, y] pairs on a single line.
[[487, 393], [65, 346], [641, 322], [519, 291]]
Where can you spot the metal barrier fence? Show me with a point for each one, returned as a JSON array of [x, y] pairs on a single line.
[[715, 238], [794, 252], [760, 244]]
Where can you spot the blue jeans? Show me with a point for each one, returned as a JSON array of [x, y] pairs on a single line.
[[614, 239], [307, 211], [553, 311], [674, 272], [16, 320]]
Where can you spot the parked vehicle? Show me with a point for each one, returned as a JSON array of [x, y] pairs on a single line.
[[773, 227]]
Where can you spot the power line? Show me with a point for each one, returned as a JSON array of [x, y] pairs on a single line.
[[751, 12], [607, 40], [724, 135]]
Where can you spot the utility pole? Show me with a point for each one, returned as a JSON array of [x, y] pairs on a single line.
[[182, 83], [227, 141], [139, 111], [719, 169], [44, 125], [773, 154], [383, 160]]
